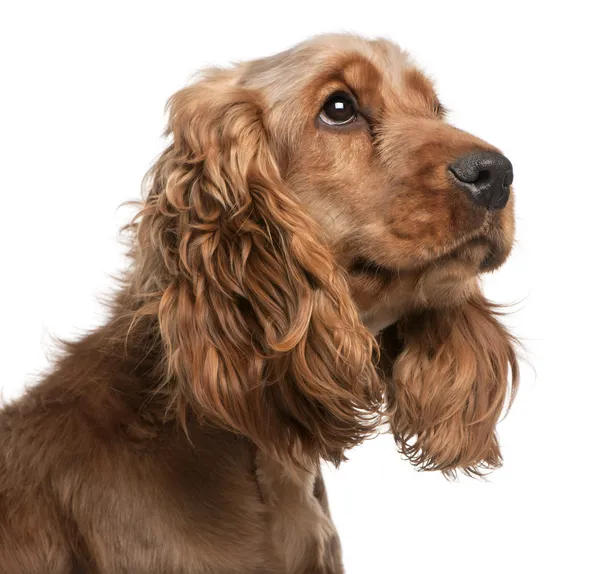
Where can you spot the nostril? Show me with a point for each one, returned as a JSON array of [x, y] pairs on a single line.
[[484, 176], [508, 178]]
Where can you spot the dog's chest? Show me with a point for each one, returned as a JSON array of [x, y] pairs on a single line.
[[301, 528]]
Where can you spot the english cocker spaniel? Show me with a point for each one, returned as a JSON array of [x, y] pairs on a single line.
[[305, 267]]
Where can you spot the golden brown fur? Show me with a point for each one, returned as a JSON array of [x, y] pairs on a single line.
[[293, 286]]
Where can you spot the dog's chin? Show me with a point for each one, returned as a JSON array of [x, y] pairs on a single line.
[[480, 255], [496, 256]]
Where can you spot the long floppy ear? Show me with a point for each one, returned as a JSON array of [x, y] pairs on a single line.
[[260, 334], [449, 373]]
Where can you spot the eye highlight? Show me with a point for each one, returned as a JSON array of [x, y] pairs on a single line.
[[339, 109]]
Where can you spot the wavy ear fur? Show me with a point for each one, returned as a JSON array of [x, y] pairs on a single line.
[[258, 329], [449, 373]]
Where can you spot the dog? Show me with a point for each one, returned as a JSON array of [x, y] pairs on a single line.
[[305, 267]]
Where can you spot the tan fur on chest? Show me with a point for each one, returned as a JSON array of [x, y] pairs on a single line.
[[300, 527]]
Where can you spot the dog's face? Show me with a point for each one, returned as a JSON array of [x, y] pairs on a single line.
[[307, 199], [365, 145]]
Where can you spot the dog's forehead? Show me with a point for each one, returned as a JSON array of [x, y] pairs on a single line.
[[385, 56], [286, 75]]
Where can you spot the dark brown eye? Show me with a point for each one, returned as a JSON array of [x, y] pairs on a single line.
[[338, 110]]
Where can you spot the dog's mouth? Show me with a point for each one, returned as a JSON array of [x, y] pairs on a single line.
[[480, 253], [363, 266]]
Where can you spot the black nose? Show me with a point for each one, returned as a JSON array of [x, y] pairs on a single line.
[[485, 176]]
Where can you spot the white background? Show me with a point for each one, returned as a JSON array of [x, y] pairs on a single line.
[[83, 86]]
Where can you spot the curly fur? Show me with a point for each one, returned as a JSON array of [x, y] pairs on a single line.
[[249, 293], [448, 386]]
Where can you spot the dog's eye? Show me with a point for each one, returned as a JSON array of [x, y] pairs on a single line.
[[338, 110]]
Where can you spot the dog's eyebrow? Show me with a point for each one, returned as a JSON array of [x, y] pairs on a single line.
[[418, 83], [363, 77], [414, 80]]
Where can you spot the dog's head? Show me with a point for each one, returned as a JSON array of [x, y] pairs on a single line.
[[305, 198]]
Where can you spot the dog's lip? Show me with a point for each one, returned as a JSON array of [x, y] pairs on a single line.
[[493, 259], [366, 266]]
